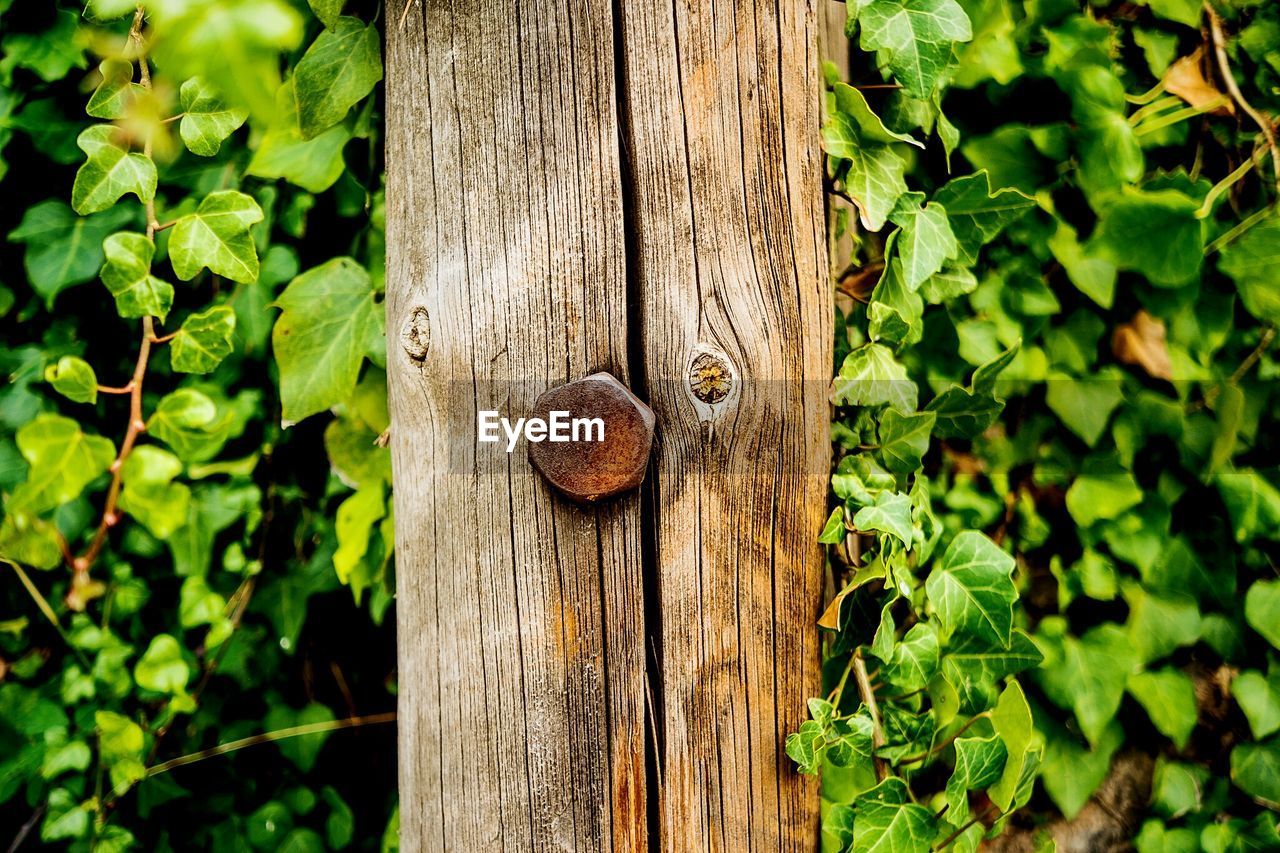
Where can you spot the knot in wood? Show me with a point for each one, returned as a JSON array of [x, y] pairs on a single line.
[[589, 470], [415, 334], [710, 377]]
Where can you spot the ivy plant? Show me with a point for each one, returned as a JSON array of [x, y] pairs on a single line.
[[1053, 550], [170, 315]]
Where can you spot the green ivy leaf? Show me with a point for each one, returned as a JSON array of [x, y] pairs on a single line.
[[969, 658], [1073, 771], [1085, 405], [915, 658], [1261, 609], [327, 11], [972, 591], [1088, 675], [355, 522], [162, 667], [891, 513], [354, 453], [119, 738], [967, 412], [1011, 719], [329, 322], [1251, 262], [874, 181], [149, 493], [1158, 624], [1176, 788], [116, 93], [62, 459], [896, 314], [805, 747], [1091, 271], [110, 171], [904, 439], [979, 763], [68, 756], [74, 379], [206, 120], [833, 532], [64, 818], [870, 376], [127, 274], [1102, 494], [926, 242], [949, 284], [339, 69], [1182, 11], [184, 421], [915, 38], [1259, 698], [886, 820], [203, 341], [29, 541], [50, 54], [851, 123], [1255, 768], [313, 164], [217, 236], [1254, 504], [977, 213], [63, 249], [1109, 150], [1155, 234], [1169, 698]]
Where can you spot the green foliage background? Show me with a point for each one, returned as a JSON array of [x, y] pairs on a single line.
[[1057, 517], [1056, 437], [205, 180]]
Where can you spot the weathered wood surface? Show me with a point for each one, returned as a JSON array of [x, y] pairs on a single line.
[[522, 625], [519, 616], [722, 111]]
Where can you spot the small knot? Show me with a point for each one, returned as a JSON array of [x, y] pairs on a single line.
[[415, 334], [710, 377]]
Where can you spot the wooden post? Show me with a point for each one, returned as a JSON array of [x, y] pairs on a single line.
[[571, 187]]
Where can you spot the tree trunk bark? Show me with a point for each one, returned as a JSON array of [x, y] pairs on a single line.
[[574, 187]]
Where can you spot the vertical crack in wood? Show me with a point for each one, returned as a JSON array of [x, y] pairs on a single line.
[[636, 367]]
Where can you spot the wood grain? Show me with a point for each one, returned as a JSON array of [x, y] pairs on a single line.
[[721, 118], [519, 616], [522, 206]]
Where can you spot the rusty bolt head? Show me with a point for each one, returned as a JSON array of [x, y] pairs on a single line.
[[589, 471]]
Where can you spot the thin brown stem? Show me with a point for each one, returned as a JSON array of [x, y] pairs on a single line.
[[869, 699], [1228, 79], [110, 513], [837, 694], [123, 389], [254, 740], [1245, 366], [923, 756], [946, 842], [271, 737]]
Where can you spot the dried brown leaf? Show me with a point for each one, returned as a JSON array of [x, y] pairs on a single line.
[[1185, 78], [1141, 341]]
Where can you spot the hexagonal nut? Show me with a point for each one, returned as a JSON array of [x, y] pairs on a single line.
[[590, 471]]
